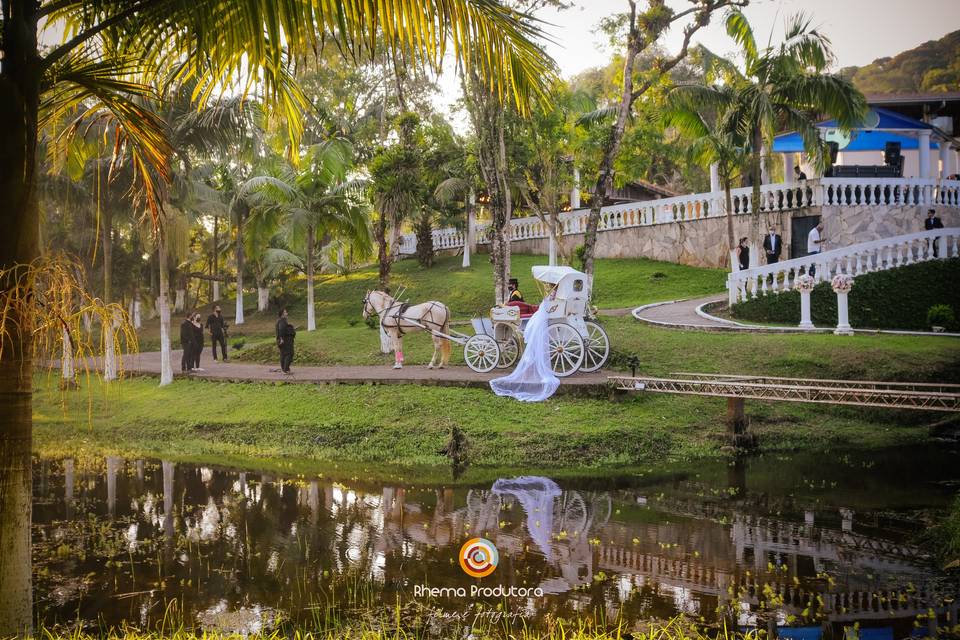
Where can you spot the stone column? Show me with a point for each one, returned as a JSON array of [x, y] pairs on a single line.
[[714, 178], [805, 284], [788, 168], [842, 284], [923, 146], [947, 158]]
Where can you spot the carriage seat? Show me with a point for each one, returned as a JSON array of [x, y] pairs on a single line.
[[526, 310]]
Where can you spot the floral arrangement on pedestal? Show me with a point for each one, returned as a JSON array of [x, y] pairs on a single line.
[[842, 283], [806, 282]]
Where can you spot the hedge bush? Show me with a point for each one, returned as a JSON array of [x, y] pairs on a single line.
[[894, 299]]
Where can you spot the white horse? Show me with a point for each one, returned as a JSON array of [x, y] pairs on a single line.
[[397, 319]]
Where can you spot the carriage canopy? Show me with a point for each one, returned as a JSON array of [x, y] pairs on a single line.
[[554, 274]]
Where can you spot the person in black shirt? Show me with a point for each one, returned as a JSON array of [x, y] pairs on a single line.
[[933, 222], [285, 337], [186, 343], [743, 254], [218, 332], [197, 341], [513, 286]]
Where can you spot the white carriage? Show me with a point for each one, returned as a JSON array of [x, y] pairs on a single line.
[[576, 343]]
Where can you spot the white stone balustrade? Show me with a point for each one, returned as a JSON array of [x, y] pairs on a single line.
[[865, 257], [773, 197]]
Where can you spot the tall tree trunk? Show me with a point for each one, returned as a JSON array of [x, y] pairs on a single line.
[[214, 262], [106, 222], [731, 241], [756, 141], [603, 188], [639, 39], [19, 244], [263, 295], [238, 318], [311, 312], [380, 231], [163, 302]]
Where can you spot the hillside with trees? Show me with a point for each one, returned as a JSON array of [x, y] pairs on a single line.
[[934, 66]]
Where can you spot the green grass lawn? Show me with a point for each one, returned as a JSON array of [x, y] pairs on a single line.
[[342, 337], [319, 428]]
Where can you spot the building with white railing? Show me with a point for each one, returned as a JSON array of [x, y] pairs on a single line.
[[692, 229], [885, 178]]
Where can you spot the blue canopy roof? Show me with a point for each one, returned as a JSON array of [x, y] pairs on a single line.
[[888, 126]]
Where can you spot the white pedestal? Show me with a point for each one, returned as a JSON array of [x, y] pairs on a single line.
[[805, 322], [843, 316]]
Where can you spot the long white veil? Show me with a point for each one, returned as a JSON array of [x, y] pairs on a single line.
[[536, 495], [533, 379]]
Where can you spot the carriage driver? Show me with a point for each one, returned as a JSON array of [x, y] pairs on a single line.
[[512, 287]]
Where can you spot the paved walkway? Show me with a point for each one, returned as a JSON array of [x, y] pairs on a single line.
[[683, 314], [460, 376]]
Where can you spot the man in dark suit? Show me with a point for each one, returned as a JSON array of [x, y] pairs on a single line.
[[218, 332], [285, 337], [186, 343], [933, 222], [773, 245]]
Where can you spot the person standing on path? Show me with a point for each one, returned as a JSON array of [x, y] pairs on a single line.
[[186, 343], [285, 336], [218, 332], [197, 341]]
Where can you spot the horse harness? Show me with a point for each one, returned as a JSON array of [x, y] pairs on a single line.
[[394, 315]]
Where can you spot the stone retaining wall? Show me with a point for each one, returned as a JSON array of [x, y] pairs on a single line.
[[703, 243]]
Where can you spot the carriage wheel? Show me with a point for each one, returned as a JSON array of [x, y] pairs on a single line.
[[481, 353], [566, 349], [510, 349], [596, 348]]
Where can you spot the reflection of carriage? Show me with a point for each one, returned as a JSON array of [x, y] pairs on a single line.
[[576, 344]]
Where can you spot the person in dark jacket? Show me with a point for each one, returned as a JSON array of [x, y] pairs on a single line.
[[197, 341], [743, 254], [929, 224], [772, 245], [186, 343], [217, 326], [285, 338]]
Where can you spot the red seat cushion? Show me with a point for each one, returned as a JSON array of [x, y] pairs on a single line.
[[526, 310]]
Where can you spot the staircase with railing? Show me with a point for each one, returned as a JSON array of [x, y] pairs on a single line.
[[701, 206], [853, 260]]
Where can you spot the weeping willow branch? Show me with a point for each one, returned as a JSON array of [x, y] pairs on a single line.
[[45, 306]]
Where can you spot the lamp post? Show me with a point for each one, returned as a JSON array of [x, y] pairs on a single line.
[[842, 284]]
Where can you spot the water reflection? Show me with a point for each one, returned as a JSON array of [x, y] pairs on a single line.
[[787, 542]]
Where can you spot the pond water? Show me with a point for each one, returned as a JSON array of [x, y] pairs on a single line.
[[801, 541]]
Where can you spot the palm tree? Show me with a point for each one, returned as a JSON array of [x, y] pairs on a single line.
[[782, 87], [396, 189], [712, 138], [322, 209], [117, 50]]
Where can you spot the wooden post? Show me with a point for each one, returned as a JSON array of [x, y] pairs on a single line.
[[737, 435], [736, 417]]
